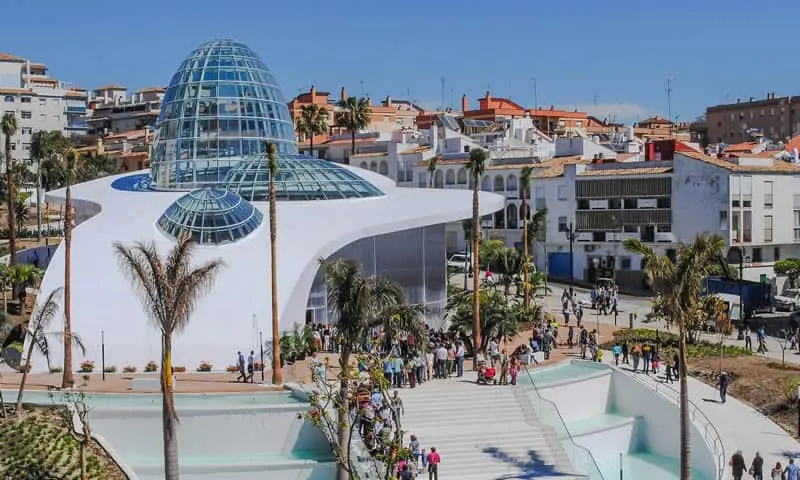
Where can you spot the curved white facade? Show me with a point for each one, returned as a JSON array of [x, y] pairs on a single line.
[[237, 308]]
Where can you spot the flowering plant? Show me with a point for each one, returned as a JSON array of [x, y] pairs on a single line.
[[178, 368], [129, 369], [205, 366], [151, 367], [87, 366], [232, 369]]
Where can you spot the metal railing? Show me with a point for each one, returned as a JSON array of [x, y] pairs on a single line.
[[546, 412], [710, 433]]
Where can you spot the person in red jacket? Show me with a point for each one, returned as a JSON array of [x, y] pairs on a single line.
[[433, 464]]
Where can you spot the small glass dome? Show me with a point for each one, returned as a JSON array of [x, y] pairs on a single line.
[[210, 216], [299, 178]]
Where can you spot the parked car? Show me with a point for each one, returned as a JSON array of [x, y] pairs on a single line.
[[789, 301], [460, 262]]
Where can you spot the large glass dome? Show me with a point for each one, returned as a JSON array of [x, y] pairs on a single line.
[[221, 105], [299, 178], [210, 216]]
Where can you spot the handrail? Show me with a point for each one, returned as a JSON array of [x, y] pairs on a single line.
[[595, 474], [708, 426]]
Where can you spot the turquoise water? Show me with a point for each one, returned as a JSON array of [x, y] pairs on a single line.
[[644, 465], [185, 400], [562, 372]]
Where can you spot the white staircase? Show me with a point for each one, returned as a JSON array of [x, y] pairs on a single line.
[[482, 432]]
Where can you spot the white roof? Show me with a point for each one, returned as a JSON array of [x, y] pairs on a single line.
[[230, 317]]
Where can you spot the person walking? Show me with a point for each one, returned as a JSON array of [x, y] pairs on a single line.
[[617, 351], [584, 340], [251, 366], [636, 353], [625, 359], [240, 363], [434, 459], [748, 338], [737, 465], [724, 380], [460, 359], [647, 351], [441, 361], [777, 472], [757, 467], [792, 472]]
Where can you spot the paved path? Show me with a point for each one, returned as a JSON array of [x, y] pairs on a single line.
[[740, 427], [483, 432]]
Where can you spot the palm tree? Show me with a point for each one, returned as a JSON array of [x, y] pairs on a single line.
[[476, 166], [524, 191], [70, 162], [680, 287], [21, 214], [354, 116], [40, 148], [313, 120], [466, 225], [433, 163], [277, 369], [9, 128], [357, 301], [169, 289], [37, 327], [496, 318], [536, 225]]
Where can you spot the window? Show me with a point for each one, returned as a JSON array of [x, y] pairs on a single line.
[[27, 130], [25, 115], [664, 202], [768, 228], [9, 98], [735, 227], [735, 203], [757, 258], [768, 194], [579, 123], [25, 100], [13, 146], [562, 224], [797, 225], [562, 192], [625, 263], [747, 227], [42, 101], [630, 203], [386, 118], [583, 204], [614, 203], [723, 219], [26, 147], [776, 254]]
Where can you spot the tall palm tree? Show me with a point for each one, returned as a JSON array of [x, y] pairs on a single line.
[[21, 214], [433, 163], [40, 150], [358, 301], [536, 225], [524, 191], [277, 369], [70, 162], [466, 226], [37, 328], [680, 287], [169, 289], [313, 120], [354, 116], [9, 127], [476, 166]]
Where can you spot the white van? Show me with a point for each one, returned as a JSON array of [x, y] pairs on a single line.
[[460, 262]]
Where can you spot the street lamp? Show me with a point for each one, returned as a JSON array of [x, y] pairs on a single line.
[[572, 234]]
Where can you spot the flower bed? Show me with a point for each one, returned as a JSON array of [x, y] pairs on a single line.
[[205, 366], [87, 366]]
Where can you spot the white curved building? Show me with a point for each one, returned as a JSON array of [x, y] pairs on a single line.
[[212, 144]]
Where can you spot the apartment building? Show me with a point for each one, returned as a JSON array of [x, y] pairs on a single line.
[[39, 103], [111, 111], [773, 117]]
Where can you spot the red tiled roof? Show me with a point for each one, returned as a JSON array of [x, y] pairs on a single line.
[[6, 57]]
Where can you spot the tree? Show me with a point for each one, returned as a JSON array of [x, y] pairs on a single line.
[[497, 319], [21, 214], [9, 127], [277, 369], [524, 190], [789, 267], [169, 289], [37, 328], [681, 284], [476, 166], [70, 159], [357, 301], [466, 226], [433, 163], [313, 121], [354, 116]]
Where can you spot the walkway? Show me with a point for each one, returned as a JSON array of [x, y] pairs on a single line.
[[480, 432], [740, 426]]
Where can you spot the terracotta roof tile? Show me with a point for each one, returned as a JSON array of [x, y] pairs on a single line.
[[152, 90], [6, 57], [369, 155], [419, 149], [75, 93], [113, 86], [14, 91], [626, 171], [778, 166]]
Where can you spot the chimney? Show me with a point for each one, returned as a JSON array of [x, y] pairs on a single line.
[[343, 95], [388, 101], [464, 102], [313, 93], [488, 98]]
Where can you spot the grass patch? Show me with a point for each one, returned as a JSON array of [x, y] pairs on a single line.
[[669, 343]]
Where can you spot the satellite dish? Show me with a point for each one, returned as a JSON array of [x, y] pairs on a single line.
[[12, 355]]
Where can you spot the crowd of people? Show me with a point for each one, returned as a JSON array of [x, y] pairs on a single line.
[[756, 470]]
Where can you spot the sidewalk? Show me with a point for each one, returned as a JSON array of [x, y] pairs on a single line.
[[739, 426]]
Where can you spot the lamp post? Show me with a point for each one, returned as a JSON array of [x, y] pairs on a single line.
[[103, 353], [572, 234], [261, 345]]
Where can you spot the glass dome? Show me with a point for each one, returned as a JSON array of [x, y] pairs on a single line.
[[299, 178], [221, 105], [210, 216]]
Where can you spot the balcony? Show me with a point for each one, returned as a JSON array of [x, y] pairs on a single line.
[[78, 125], [76, 110]]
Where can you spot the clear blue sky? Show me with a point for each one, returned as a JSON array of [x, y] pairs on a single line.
[[619, 51]]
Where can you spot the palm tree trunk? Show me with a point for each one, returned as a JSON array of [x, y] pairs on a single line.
[[68, 379], [466, 268], [352, 146], [525, 288], [686, 467], [476, 312], [344, 417], [2, 403], [277, 369], [84, 474], [311, 145], [24, 380], [12, 225], [39, 200], [168, 417]]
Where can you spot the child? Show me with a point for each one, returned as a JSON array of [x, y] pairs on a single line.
[[599, 355], [514, 370], [617, 351], [424, 460]]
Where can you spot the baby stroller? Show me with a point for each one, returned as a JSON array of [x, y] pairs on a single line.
[[485, 375]]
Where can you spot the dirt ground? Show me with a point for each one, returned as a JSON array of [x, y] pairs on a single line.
[[765, 384]]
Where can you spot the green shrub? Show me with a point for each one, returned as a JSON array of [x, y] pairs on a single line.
[[669, 343]]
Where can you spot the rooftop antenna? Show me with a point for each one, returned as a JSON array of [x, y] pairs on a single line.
[[362, 89], [535, 99], [452, 97], [442, 104], [668, 89]]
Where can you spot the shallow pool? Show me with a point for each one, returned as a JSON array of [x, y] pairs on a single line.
[[562, 372], [185, 400], [644, 465]]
